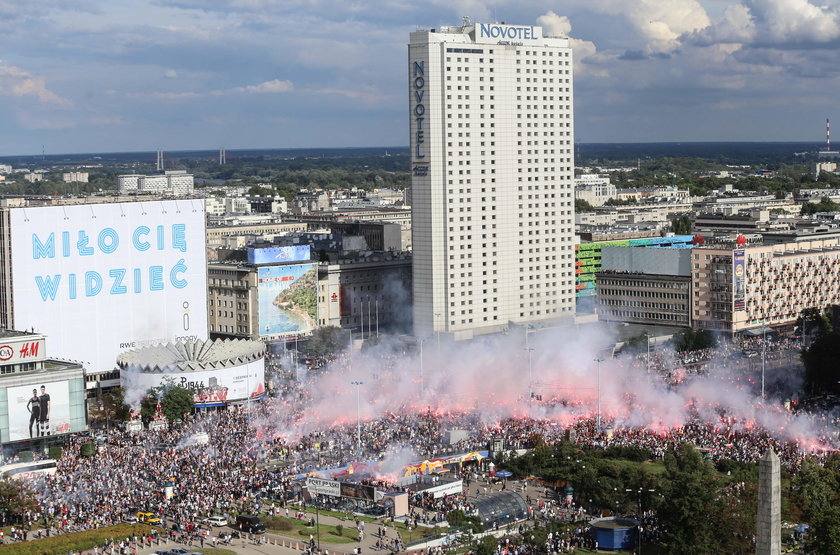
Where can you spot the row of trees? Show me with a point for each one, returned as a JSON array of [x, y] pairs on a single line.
[[702, 507]]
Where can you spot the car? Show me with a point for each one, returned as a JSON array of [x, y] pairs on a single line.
[[750, 354], [178, 551], [148, 518], [131, 519], [217, 521], [250, 524]]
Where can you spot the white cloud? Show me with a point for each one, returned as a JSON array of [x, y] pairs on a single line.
[[170, 74], [16, 82], [274, 86], [660, 22], [773, 24], [583, 50]]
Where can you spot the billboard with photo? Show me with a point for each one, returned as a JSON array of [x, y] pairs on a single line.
[[279, 255], [288, 299], [210, 387], [98, 279], [38, 410], [739, 278]]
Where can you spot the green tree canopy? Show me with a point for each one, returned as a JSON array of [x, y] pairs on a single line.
[[326, 340], [176, 402]]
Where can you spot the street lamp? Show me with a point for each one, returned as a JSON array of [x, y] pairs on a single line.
[[647, 336], [598, 426], [763, 356], [641, 513], [437, 331], [530, 368], [358, 418], [421, 367], [317, 522]]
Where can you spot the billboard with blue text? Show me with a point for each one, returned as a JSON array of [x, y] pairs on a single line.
[[98, 279]]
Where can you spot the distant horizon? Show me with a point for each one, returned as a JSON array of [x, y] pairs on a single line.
[[396, 148]]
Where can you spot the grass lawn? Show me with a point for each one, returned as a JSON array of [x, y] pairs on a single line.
[[416, 534], [77, 541], [336, 514], [294, 528]]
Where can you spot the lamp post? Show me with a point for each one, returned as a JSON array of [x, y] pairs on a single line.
[[641, 513], [317, 522], [763, 356], [422, 388], [358, 418], [647, 336], [530, 375], [437, 332], [598, 421]]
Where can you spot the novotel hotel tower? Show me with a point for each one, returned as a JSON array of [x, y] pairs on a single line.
[[492, 138]]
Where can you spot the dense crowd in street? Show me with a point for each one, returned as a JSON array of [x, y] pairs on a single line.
[[253, 457]]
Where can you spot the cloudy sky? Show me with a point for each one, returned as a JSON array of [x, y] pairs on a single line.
[[123, 75]]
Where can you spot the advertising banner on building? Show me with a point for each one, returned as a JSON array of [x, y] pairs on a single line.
[[210, 387], [279, 255], [99, 279], [26, 349], [739, 277], [38, 410], [288, 299], [318, 486]]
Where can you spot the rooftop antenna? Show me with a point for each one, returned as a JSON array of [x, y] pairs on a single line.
[[159, 163]]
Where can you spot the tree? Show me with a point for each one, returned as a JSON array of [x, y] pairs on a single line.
[[16, 499], [818, 489], [822, 371], [694, 340], [326, 340], [582, 205], [824, 205], [176, 402], [113, 403], [689, 498], [681, 225]]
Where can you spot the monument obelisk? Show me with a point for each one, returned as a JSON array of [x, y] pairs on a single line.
[[768, 538]]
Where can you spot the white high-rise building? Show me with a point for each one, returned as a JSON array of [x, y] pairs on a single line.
[[492, 141]]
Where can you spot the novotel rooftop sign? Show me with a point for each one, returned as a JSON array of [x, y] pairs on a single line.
[[493, 33]]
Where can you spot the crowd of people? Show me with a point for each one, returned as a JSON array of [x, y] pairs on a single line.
[[255, 456]]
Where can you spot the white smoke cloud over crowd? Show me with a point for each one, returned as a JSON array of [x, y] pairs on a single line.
[[488, 378]]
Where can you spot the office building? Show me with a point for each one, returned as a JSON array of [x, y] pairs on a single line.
[[645, 285], [492, 147], [30, 382], [594, 188], [174, 182], [75, 177], [736, 289]]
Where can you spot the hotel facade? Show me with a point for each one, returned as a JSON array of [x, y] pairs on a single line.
[[492, 162]]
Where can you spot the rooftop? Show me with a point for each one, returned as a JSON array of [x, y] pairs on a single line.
[[192, 355]]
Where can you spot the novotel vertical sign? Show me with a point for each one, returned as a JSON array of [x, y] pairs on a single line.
[[419, 88], [491, 32], [420, 167]]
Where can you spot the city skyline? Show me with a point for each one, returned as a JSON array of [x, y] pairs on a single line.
[[182, 75]]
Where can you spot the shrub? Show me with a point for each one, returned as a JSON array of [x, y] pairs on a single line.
[[55, 452], [25, 456], [87, 450], [339, 529]]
